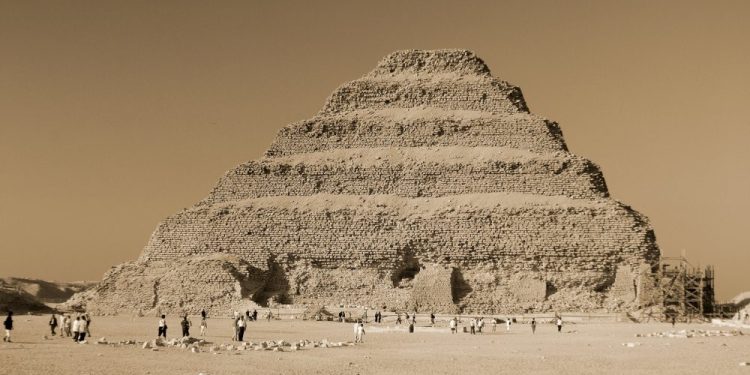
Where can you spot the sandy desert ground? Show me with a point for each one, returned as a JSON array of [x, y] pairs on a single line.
[[581, 348]]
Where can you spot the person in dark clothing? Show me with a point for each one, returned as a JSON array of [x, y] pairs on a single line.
[[203, 313], [185, 323], [247, 314], [8, 324], [432, 318], [53, 324], [241, 329], [255, 315]]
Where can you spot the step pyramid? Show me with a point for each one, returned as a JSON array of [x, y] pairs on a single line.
[[426, 184]]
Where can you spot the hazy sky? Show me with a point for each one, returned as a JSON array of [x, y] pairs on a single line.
[[114, 115]]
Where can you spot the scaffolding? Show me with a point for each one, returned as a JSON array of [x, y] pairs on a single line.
[[686, 291]]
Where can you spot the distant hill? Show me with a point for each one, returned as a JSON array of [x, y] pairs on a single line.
[[33, 295]]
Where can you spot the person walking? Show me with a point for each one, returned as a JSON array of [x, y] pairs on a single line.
[[452, 325], [473, 326], [87, 326], [494, 325], [83, 327], [203, 314], [507, 324], [76, 328], [204, 325], [235, 329], [68, 326], [432, 318], [185, 323], [480, 324], [162, 327], [53, 325], [533, 326], [241, 329], [8, 324], [360, 333], [559, 324]]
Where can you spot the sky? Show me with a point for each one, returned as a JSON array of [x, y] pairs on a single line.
[[116, 114]]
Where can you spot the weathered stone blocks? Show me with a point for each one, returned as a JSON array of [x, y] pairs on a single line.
[[426, 185]]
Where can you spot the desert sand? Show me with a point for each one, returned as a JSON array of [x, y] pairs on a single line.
[[580, 348]]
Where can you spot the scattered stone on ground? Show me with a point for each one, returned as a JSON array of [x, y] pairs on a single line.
[[686, 334]]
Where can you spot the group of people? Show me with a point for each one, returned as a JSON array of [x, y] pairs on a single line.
[[476, 325], [79, 328]]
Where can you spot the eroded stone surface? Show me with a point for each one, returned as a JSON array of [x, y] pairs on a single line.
[[426, 184]]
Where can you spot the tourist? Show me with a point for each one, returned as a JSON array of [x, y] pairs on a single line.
[[53, 324], [76, 328], [480, 324], [270, 315], [452, 324], [398, 318], [8, 324], [355, 328], [473, 326], [533, 326], [82, 330], [255, 315], [414, 318], [559, 324], [432, 318], [203, 314], [494, 324], [235, 329], [411, 327], [87, 326], [247, 314], [507, 324], [204, 325], [236, 314], [407, 316], [63, 325], [186, 323], [674, 318], [359, 338], [68, 326], [241, 328], [162, 327]]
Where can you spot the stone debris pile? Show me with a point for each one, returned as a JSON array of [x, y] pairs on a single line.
[[195, 345], [690, 333]]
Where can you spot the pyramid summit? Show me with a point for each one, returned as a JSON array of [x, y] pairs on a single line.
[[426, 184]]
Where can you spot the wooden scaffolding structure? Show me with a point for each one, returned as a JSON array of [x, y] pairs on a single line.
[[687, 292]]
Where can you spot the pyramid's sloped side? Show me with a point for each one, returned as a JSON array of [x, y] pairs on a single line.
[[429, 165], [418, 127], [574, 246], [413, 172]]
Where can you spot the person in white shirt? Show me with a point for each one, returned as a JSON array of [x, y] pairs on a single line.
[[507, 324], [82, 327], [473, 326], [360, 332], [162, 327], [559, 324], [76, 328], [452, 324], [480, 324]]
